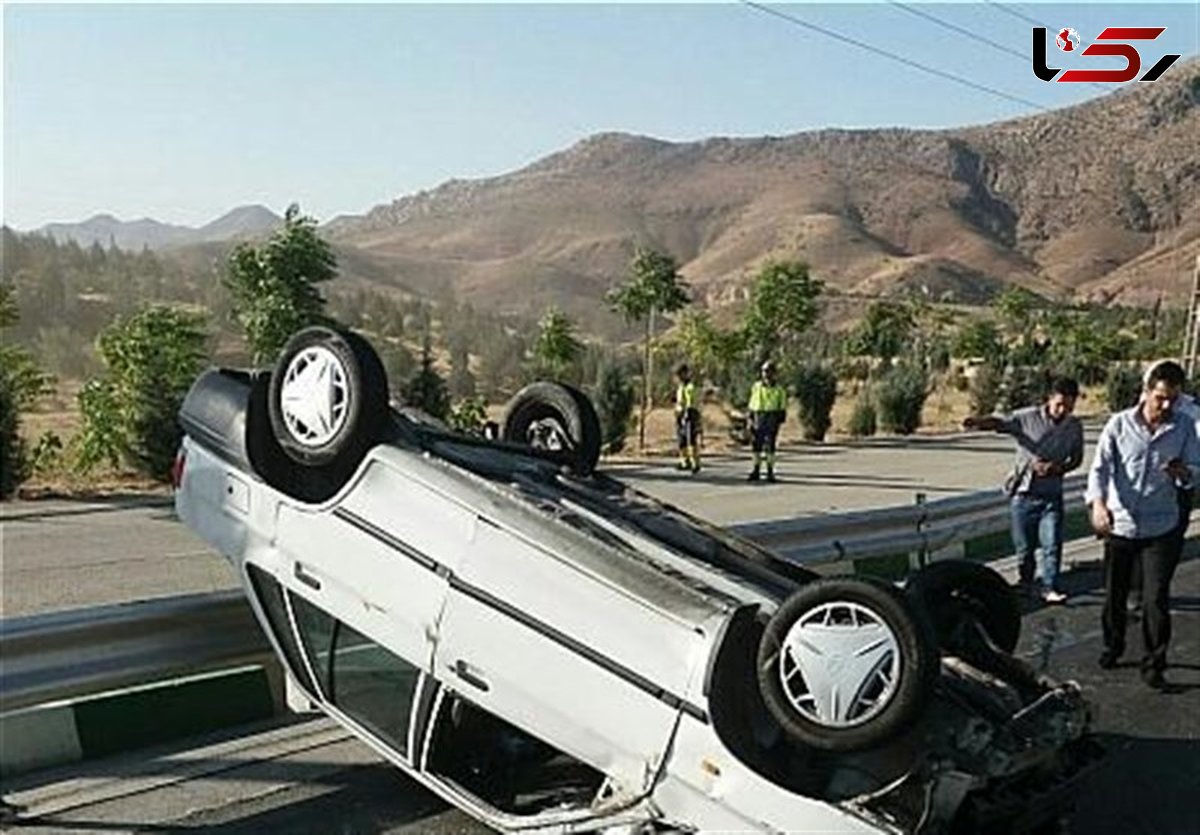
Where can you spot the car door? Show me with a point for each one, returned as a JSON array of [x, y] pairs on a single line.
[[381, 559], [572, 660]]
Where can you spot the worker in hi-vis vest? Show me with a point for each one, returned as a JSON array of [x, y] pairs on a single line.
[[768, 407], [687, 420]]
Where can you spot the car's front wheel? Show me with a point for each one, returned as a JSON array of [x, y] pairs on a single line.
[[845, 664]]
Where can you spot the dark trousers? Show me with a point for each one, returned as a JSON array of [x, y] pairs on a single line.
[[766, 430], [1186, 499], [688, 428], [1155, 559]]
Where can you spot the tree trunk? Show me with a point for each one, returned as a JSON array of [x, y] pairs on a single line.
[[647, 377]]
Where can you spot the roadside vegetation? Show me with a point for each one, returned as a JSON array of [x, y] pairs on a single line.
[[100, 345]]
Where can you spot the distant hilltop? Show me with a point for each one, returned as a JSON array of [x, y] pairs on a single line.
[[1098, 201], [106, 230]]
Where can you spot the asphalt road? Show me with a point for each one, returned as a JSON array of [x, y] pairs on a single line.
[[61, 555], [310, 779]]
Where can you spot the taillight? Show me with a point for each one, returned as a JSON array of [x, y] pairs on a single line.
[[177, 468]]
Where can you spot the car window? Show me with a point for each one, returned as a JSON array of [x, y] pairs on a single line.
[[368, 683], [373, 686], [316, 631], [270, 598]]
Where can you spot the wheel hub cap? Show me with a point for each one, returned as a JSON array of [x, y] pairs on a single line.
[[315, 396], [839, 664], [548, 433]]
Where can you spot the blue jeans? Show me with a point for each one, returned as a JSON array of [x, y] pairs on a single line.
[[1038, 520]]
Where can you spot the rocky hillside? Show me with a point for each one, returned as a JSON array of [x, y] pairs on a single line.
[[1098, 200]]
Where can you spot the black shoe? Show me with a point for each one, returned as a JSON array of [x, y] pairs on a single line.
[[1154, 678], [771, 477], [753, 476], [1108, 659]]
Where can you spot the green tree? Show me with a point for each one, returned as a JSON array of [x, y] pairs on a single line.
[[26, 382], [900, 396], [980, 339], [14, 460], [885, 331], [22, 382], [274, 287], [129, 413], [712, 351], [783, 305], [614, 396], [653, 286], [426, 390], [1015, 306], [557, 347], [816, 390]]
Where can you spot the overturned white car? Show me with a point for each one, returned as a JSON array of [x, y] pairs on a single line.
[[553, 651]]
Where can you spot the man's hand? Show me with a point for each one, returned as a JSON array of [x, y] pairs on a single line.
[[1101, 518], [988, 423], [1042, 468], [1177, 470]]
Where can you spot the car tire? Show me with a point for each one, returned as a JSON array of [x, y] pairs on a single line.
[[846, 664], [952, 589], [555, 418], [328, 398]]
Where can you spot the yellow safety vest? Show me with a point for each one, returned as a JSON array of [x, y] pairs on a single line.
[[685, 397], [767, 398]]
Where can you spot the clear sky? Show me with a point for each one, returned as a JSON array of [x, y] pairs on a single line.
[[182, 112]]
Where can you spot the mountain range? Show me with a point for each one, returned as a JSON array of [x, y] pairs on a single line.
[[106, 230], [1096, 201]]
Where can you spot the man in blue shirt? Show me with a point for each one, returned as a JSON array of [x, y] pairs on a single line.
[[1144, 456]]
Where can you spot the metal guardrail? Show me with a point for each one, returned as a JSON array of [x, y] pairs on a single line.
[[925, 526], [82, 651], [74, 653]]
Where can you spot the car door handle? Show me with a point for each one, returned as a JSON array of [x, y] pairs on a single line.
[[463, 670], [306, 578]]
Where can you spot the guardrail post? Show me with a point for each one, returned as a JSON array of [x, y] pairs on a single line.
[[918, 558]]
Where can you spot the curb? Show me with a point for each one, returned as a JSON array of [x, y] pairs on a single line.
[[65, 732], [22, 511]]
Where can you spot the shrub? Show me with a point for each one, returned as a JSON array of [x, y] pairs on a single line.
[[14, 464], [900, 396], [1122, 388], [129, 413], [984, 390], [1024, 387], [816, 389], [468, 415], [862, 419], [614, 398], [47, 453]]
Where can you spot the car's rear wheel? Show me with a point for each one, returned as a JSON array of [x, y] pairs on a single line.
[[328, 397], [312, 419], [955, 592], [558, 419], [845, 664]]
